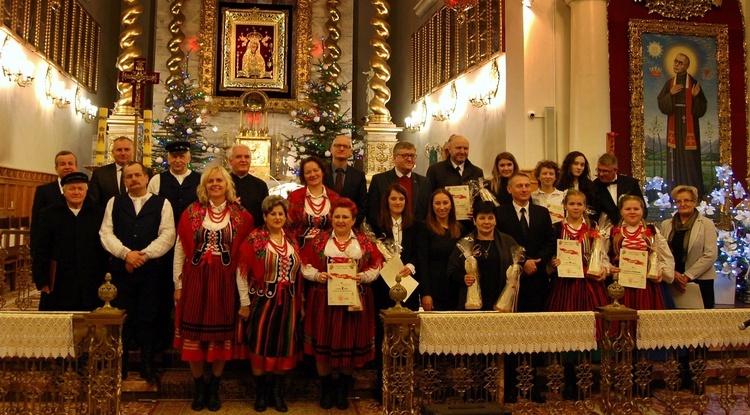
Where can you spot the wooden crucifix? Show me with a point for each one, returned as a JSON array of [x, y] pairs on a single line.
[[139, 77]]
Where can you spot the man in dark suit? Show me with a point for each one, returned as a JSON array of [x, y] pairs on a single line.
[[250, 189], [610, 186], [346, 180], [107, 181], [69, 263], [417, 186], [52, 193], [457, 170], [531, 227]]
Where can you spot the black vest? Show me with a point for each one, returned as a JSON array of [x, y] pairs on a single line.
[[137, 232], [179, 195]]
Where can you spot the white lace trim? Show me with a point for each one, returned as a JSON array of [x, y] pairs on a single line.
[[36, 335], [492, 332], [683, 328]]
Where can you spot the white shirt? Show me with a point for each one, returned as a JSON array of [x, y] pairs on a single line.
[[540, 198], [400, 175], [154, 185], [119, 177], [322, 198], [352, 251], [243, 287], [398, 238], [612, 189], [158, 247], [458, 166], [518, 211]]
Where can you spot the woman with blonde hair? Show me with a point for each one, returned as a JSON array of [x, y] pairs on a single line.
[[504, 167], [205, 261]]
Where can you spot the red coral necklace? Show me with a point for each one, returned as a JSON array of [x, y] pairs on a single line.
[[217, 217], [317, 208]]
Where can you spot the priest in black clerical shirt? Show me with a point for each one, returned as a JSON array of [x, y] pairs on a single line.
[[250, 189]]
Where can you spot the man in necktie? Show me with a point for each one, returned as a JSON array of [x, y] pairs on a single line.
[[457, 170], [610, 186], [107, 180], [346, 180]]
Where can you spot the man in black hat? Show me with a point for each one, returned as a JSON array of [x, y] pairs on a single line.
[[178, 185], [69, 263]]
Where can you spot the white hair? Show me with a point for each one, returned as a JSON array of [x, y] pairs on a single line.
[[230, 151]]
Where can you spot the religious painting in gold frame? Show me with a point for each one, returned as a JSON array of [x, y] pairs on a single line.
[[255, 54], [298, 59], [654, 45]]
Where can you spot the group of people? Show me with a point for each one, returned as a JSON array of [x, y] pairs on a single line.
[[249, 272]]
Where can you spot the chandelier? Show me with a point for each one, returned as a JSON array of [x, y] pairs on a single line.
[[460, 7]]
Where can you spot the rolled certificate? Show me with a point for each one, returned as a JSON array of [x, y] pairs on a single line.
[[473, 293]]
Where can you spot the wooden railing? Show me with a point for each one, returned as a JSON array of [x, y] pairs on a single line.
[[17, 188]]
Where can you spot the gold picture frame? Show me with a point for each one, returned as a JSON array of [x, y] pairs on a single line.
[[254, 53], [715, 74], [298, 56]]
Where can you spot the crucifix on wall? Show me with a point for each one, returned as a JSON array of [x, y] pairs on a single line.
[[139, 77]]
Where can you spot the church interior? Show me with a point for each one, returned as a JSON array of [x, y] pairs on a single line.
[[536, 78]]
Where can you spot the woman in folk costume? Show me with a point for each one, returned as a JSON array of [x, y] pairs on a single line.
[[310, 206], [205, 262], [579, 294], [337, 336], [634, 233], [271, 297]]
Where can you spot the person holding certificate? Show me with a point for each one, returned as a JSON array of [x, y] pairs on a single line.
[[271, 298], [340, 336], [504, 167], [438, 236], [492, 250], [547, 173], [574, 288], [641, 256], [310, 206]]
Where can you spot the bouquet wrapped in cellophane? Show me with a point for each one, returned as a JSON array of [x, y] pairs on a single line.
[[508, 300], [473, 292], [478, 189], [598, 250]]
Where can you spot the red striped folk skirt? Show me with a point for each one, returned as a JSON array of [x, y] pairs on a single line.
[[336, 336], [649, 298], [273, 337], [207, 327], [578, 294]]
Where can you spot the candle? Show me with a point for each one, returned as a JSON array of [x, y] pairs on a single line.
[[147, 122], [101, 136]]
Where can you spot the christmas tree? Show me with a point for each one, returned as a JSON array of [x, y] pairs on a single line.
[[186, 118], [320, 114]]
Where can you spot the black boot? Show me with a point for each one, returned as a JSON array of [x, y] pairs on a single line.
[[326, 392], [342, 394], [260, 394], [212, 396], [277, 394], [199, 397], [148, 372]]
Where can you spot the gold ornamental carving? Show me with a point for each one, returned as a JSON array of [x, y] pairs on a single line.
[[684, 9], [131, 31], [636, 29], [176, 55], [377, 111], [332, 41], [300, 50]]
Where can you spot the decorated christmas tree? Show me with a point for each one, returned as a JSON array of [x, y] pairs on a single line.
[[186, 118], [320, 114]]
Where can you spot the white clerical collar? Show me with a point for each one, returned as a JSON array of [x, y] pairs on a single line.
[[400, 175]]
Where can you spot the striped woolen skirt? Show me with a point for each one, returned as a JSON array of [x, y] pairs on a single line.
[[578, 294], [336, 336], [207, 327], [273, 337]]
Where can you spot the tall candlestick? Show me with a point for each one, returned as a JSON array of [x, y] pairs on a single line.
[[147, 121], [101, 136]]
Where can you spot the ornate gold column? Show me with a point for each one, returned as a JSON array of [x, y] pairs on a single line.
[[131, 30], [381, 132], [176, 55], [334, 34]]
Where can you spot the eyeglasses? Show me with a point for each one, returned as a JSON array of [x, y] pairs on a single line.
[[683, 201], [408, 156], [344, 146], [604, 171]]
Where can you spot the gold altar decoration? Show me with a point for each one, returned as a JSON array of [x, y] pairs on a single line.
[[331, 43], [377, 112], [680, 9], [442, 49], [176, 55], [254, 114], [107, 293], [302, 19], [131, 31], [636, 29]]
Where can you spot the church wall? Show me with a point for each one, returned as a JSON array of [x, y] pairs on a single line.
[[228, 122], [32, 129]]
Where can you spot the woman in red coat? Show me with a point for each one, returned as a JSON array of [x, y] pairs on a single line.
[[310, 206]]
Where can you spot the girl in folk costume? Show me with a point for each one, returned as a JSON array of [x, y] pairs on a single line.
[[310, 206], [337, 337], [580, 294], [271, 297], [205, 262], [634, 233]]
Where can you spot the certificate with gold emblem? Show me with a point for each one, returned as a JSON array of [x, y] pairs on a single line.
[[633, 268], [556, 213], [571, 259], [461, 200], [342, 288]]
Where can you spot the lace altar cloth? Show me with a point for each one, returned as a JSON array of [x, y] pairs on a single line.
[[492, 332], [684, 328], [36, 335]]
